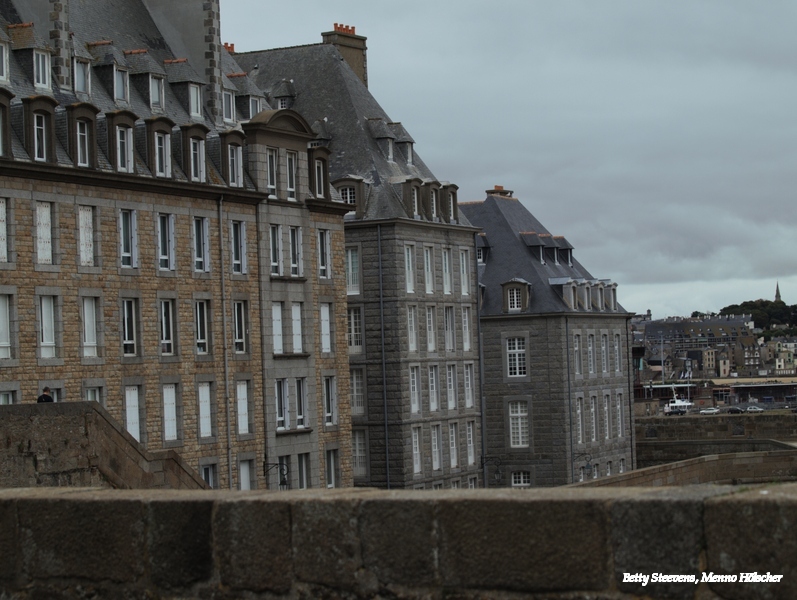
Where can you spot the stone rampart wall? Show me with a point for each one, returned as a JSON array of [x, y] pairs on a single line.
[[651, 452], [78, 444], [465, 544], [781, 426]]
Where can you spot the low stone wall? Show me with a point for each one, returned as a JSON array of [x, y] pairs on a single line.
[[454, 544], [78, 444], [650, 452], [736, 468], [767, 426]]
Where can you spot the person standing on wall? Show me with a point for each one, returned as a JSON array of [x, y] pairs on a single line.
[[45, 397]]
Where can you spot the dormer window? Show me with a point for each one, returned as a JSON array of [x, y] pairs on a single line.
[[433, 203], [121, 85], [480, 255], [3, 62], [574, 298], [82, 77], [452, 207], [513, 299], [542, 255], [236, 167], [319, 179], [291, 163], [41, 69], [600, 300], [194, 100], [282, 103], [254, 107], [156, 100], [556, 256], [389, 150], [40, 137], [415, 210], [82, 143], [197, 160], [409, 154], [124, 149], [348, 194], [515, 296], [229, 106], [163, 154], [272, 172]]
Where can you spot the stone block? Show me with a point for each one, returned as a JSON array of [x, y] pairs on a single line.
[[9, 539], [252, 537]]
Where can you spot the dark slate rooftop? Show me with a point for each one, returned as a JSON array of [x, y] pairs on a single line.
[[513, 237]]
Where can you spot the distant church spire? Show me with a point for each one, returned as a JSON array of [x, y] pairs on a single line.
[[777, 292]]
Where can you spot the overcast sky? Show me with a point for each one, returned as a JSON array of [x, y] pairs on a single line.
[[659, 137]]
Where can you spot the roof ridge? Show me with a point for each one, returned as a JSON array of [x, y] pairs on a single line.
[[282, 48]]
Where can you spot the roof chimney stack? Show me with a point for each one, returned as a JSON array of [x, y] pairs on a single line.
[[499, 191], [351, 46]]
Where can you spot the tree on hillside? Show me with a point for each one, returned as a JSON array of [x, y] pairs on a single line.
[[765, 313]]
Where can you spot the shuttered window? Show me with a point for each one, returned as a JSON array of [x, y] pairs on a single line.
[[86, 224], [131, 412], [44, 233], [205, 426], [326, 340], [169, 412], [296, 323], [242, 399]]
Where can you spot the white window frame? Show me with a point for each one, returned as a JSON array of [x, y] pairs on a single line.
[[168, 332], [124, 149], [275, 249], [239, 326], [593, 417], [242, 407], [84, 67], [604, 353], [282, 404], [228, 106], [417, 463], [48, 305], [359, 453], [238, 251], [121, 84], [40, 137], [201, 244], [254, 106], [197, 159], [352, 271], [466, 328], [516, 356], [514, 303], [276, 327], [577, 353], [618, 364], [356, 390], [132, 407], [468, 372], [166, 242], [130, 327], [591, 353], [433, 203], [235, 158], [348, 194], [326, 334], [41, 69], [521, 479], [156, 93], [3, 62], [434, 387], [449, 328], [301, 404], [409, 267], [518, 424], [44, 233], [453, 444], [169, 395], [451, 386], [464, 272], [5, 326], [291, 164], [194, 100], [82, 142], [431, 329], [3, 230], [437, 447], [607, 425], [620, 423], [446, 271], [415, 201], [580, 420], [415, 389], [272, 160], [354, 333], [203, 399], [320, 187], [330, 401], [297, 258], [296, 327], [412, 328], [324, 254], [89, 312], [428, 269], [470, 433], [303, 466]]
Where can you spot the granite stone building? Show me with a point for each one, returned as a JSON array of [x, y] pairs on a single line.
[[556, 354], [169, 244], [411, 317]]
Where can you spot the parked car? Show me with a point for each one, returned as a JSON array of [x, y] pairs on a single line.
[[755, 409], [710, 411], [735, 410]]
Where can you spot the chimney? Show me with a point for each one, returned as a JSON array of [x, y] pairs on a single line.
[[499, 191], [52, 16], [351, 46]]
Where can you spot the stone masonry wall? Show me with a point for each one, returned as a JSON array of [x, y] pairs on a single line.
[[468, 544], [702, 427]]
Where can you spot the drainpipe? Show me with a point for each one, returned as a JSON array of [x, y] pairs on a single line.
[[384, 365], [224, 307], [480, 341], [570, 402], [630, 400]]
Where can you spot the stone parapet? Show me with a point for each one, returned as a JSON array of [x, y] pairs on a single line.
[[551, 543]]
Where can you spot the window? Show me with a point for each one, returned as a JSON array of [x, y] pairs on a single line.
[[433, 203], [464, 271], [580, 420], [282, 103], [521, 479], [166, 242], [428, 269], [516, 357], [124, 149], [606, 418], [451, 386], [622, 465], [245, 470], [469, 385], [519, 424], [330, 402], [301, 404], [132, 419], [201, 244], [6, 398], [82, 77], [120, 89], [44, 233], [197, 160], [453, 444], [242, 402], [473, 482], [604, 353], [3, 62], [608, 468], [40, 137], [41, 69], [82, 143], [470, 428], [194, 100], [434, 387], [229, 106], [326, 338], [618, 365], [332, 468], [156, 93], [5, 326], [466, 328], [513, 299], [480, 255], [281, 397], [276, 327], [409, 268], [275, 251], [203, 398], [356, 391], [272, 172], [620, 423], [129, 327], [358, 453], [238, 239], [355, 330], [236, 165], [239, 327], [324, 254], [446, 271], [295, 235], [448, 314], [577, 353], [451, 207], [201, 319], [169, 412], [167, 326], [437, 447], [3, 231], [254, 107], [415, 392], [291, 161], [596, 470], [412, 328], [296, 327], [591, 352], [352, 271], [47, 307], [304, 471], [210, 475], [90, 326], [319, 179], [348, 195], [415, 201], [389, 149], [431, 329], [417, 465], [593, 417]]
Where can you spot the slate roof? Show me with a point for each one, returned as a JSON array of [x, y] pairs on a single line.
[[327, 89], [513, 236]]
